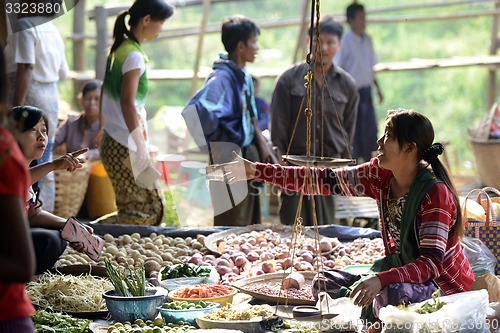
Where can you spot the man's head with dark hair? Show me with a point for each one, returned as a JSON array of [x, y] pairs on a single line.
[[352, 10], [91, 85], [329, 26], [330, 33], [237, 29], [356, 17]]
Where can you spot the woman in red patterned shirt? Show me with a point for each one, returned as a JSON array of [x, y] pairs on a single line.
[[419, 212], [17, 257]]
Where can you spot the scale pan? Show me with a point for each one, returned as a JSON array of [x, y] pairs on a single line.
[[316, 161]]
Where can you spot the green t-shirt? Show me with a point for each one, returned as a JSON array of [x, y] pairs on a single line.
[[129, 56]]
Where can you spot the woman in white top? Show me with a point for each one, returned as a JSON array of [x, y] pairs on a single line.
[[35, 63], [123, 148]]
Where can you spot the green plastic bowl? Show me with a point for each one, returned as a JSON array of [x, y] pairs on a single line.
[[359, 269]]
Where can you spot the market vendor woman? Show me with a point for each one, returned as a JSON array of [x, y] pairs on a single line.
[[420, 218], [30, 126]]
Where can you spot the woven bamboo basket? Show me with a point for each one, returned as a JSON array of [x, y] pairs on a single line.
[[487, 159], [70, 189]]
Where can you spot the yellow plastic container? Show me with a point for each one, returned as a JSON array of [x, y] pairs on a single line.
[[100, 196]]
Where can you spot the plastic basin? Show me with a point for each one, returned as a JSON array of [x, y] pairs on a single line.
[[137, 307], [185, 315]]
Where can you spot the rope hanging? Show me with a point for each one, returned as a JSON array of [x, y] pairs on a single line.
[[309, 177]]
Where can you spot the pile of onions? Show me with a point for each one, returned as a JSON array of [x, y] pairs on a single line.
[[260, 252]]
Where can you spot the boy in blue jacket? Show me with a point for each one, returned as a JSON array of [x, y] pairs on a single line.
[[223, 109]]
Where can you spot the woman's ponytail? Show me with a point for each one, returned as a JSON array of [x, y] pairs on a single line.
[[441, 172], [119, 31], [158, 10]]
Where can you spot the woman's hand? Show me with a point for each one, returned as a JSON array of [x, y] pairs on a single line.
[[235, 171], [69, 161], [77, 246], [365, 292]]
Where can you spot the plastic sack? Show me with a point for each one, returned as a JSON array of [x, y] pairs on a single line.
[[462, 312], [174, 284], [347, 314], [481, 259]]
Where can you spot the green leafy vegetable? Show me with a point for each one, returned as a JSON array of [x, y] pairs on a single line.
[[56, 322], [428, 307], [184, 270]]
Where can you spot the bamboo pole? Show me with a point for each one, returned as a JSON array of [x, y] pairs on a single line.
[[492, 73], [279, 23], [265, 24], [78, 43], [427, 5], [116, 8], [302, 32], [418, 64], [423, 18], [199, 49], [101, 50], [492, 61]]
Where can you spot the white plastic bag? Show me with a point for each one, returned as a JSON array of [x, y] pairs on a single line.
[[348, 314], [462, 312], [481, 259]]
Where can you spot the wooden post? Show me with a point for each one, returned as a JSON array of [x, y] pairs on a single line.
[[78, 41], [101, 49], [78, 36], [302, 32], [194, 82], [492, 73]]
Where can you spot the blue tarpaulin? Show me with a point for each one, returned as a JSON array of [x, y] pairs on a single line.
[[343, 233]]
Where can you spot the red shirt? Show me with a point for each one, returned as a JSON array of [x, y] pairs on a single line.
[[14, 180], [441, 257]]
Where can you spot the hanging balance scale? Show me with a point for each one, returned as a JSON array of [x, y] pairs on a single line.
[[312, 160]]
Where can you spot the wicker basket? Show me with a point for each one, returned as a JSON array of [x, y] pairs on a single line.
[[486, 230], [70, 188], [487, 158]]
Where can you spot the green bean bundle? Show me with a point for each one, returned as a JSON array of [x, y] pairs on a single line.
[[128, 282]]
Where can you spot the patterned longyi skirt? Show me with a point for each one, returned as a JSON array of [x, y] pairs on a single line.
[[136, 205]]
